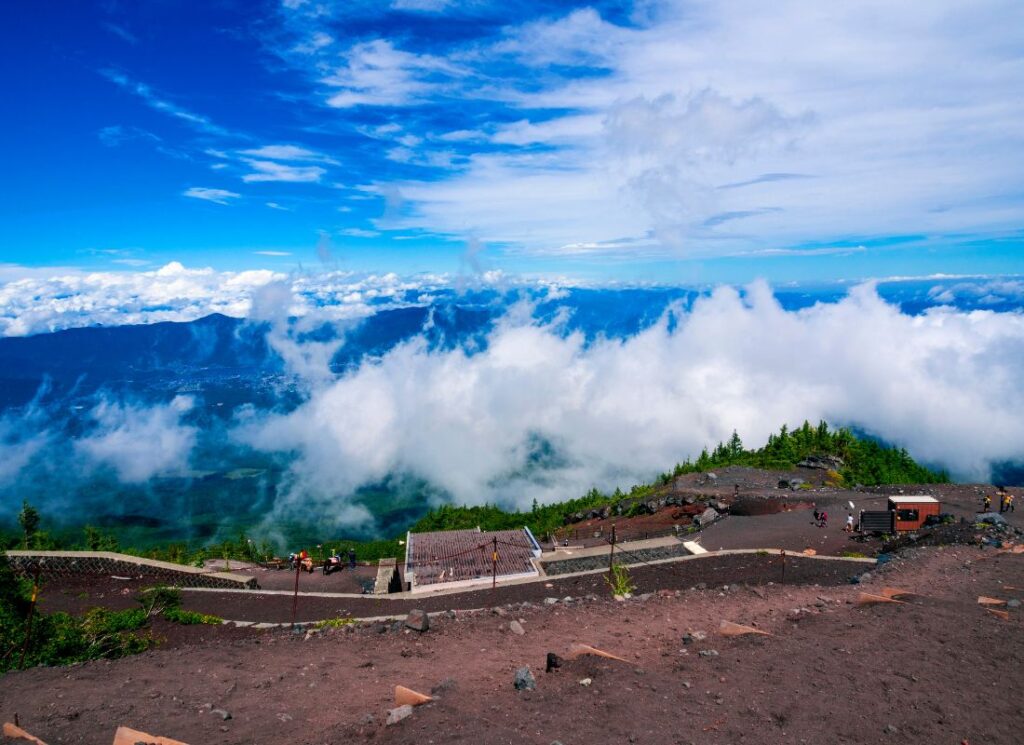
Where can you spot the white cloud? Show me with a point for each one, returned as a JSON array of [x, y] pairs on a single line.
[[46, 300], [359, 233], [287, 152], [377, 73], [983, 293], [37, 300], [139, 442], [272, 253], [22, 437], [581, 39], [266, 170], [317, 41], [428, 6], [945, 384], [870, 120], [218, 196]]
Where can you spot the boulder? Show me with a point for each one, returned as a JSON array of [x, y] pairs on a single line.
[[524, 680], [516, 628], [990, 518], [397, 714], [707, 517], [417, 620]]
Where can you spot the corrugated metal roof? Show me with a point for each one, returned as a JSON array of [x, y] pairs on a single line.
[[919, 499], [454, 555]]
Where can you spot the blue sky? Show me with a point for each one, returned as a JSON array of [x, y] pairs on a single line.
[[656, 140]]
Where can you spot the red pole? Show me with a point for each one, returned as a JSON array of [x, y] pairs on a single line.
[[494, 565]]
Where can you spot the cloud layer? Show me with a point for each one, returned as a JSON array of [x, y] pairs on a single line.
[[38, 301], [534, 409], [944, 384]]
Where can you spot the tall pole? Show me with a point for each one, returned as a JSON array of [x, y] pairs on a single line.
[[494, 564], [611, 552], [783, 553], [295, 597]]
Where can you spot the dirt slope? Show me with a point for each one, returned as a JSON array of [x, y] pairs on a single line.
[[938, 670]]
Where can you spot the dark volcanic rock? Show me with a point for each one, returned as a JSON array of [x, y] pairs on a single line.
[[418, 620], [524, 680]]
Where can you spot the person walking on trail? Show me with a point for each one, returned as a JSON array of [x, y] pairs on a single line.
[[351, 558], [849, 523], [986, 505], [824, 520], [1009, 502], [817, 516]]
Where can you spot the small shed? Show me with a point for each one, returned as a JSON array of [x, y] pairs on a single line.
[[910, 512]]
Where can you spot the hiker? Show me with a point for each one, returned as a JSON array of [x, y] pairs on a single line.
[[1002, 503], [351, 558], [986, 506], [849, 523], [817, 517], [824, 519], [1009, 502]]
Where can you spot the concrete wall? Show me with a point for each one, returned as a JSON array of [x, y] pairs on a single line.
[[388, 580], [107, 563], [587, 563]]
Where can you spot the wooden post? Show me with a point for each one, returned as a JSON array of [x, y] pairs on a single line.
[[494, 564], [783, 553]]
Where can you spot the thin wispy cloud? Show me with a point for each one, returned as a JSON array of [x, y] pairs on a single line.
[[267, 170], [377, 73], [159, 103], [287, 153], [217, 196]]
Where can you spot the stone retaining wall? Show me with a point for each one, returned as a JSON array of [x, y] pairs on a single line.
[[106, 563]]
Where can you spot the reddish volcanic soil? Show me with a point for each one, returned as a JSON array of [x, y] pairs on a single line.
[[938, 669]]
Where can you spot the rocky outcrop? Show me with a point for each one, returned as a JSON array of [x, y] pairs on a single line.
[[822, 462]]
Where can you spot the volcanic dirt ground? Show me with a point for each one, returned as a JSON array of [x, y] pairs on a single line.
[[937, 669]]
